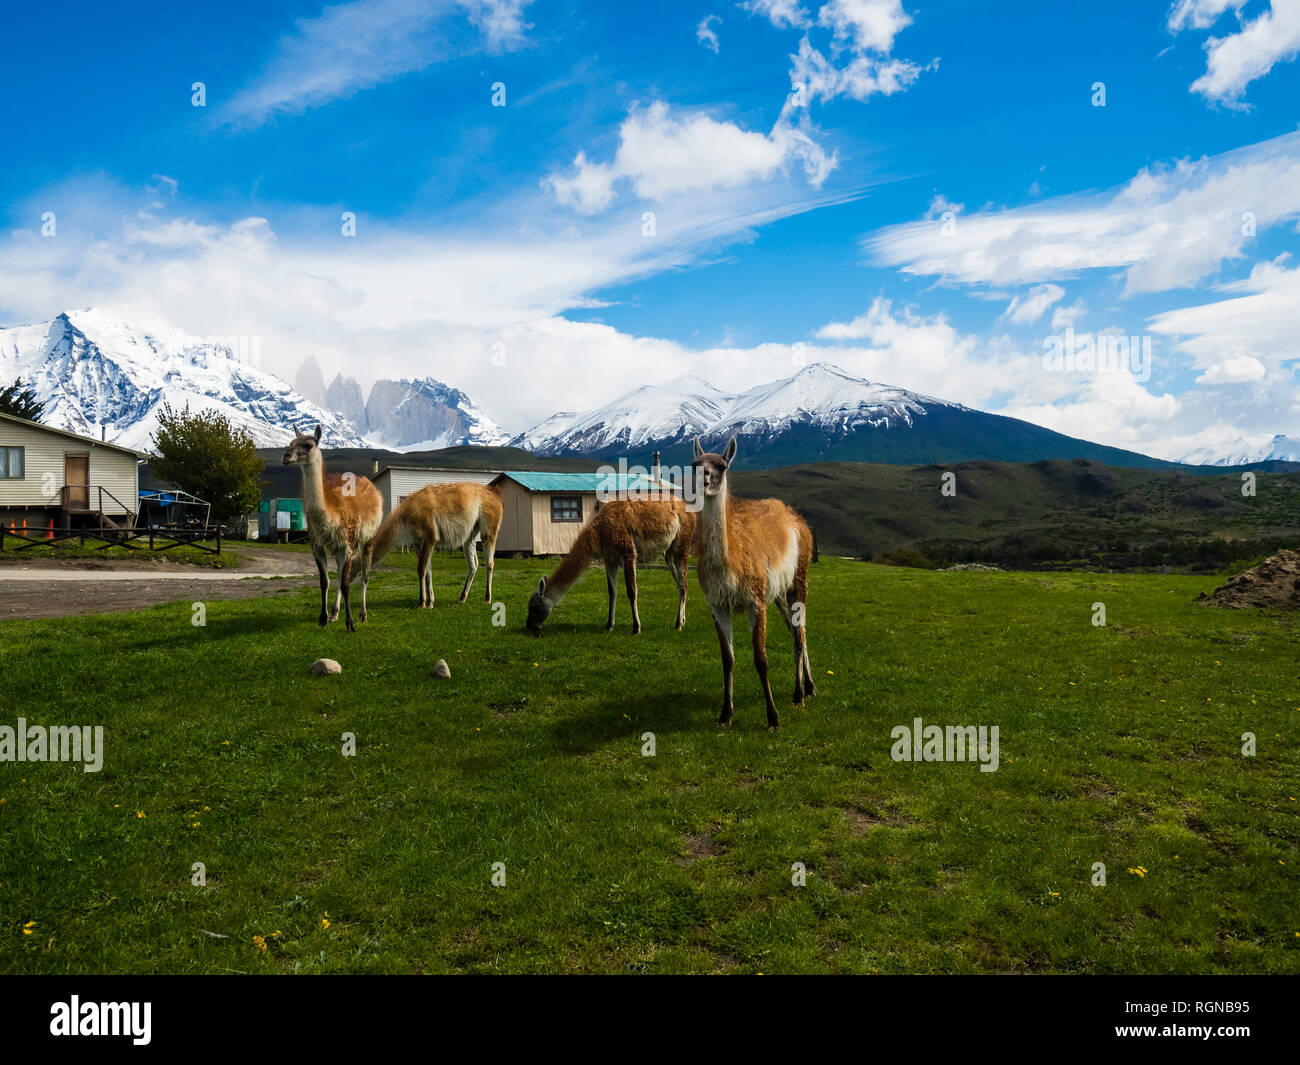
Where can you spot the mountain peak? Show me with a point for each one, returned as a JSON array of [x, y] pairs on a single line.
[[97, 374], [1246, 451]]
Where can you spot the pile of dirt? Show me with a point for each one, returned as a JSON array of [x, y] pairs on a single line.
[[1274, 583]]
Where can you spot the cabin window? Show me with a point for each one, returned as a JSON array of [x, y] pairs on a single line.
[[566, 508], [11, 463]]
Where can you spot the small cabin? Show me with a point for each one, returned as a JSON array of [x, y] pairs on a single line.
[[544, 512], [50, 478], [395, 483]]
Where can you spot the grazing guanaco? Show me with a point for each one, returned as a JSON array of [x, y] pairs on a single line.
[[622, 531]]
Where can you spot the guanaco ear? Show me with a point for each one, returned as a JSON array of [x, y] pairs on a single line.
[[296, 430], [318, 435], [730, 453], [699, 451], [541, 586]]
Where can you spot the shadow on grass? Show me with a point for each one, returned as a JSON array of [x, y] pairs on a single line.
[[222, 628], [663, 714]]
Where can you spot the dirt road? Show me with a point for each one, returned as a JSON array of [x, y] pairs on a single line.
[[51, 589]]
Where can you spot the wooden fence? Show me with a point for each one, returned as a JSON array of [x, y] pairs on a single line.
[[157, 537]]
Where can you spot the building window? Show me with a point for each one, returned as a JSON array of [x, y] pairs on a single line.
[[566, 508], [11, 463]]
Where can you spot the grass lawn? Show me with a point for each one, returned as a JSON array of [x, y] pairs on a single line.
[[1119, 744]]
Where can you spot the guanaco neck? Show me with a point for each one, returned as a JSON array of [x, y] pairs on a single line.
[[713, 523], [571, 566], [313, 486]]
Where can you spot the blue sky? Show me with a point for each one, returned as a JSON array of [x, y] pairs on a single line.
[[798, 160]]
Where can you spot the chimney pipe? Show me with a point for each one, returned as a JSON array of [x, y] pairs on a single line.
[[375, 468], [103, 432], [654, 467]]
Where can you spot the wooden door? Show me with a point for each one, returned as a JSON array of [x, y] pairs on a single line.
[[76, 475]]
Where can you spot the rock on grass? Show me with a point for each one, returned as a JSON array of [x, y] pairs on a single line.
[[323, 666]]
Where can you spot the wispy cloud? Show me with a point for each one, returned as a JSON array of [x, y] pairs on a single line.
[[1032, 305], [355, 46], [1169, 227], [706, 34]]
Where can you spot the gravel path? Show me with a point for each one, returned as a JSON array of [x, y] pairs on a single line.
[[66, 587]]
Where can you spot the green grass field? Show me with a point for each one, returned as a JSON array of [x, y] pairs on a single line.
[[1119, 745]]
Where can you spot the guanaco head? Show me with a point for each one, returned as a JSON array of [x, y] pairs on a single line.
[[711, 469], [539, 608], [303, 448]]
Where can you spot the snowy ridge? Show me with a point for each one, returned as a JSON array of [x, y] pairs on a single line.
[[100, 376], [97, 374], [1246, 451], [819, 395]]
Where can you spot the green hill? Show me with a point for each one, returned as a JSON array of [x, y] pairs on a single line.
[[1077, 513]]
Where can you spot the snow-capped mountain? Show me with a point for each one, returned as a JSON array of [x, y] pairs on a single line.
[[661, 415], [1246, 451], [98, 376], [819, 413], [823, 396], [651, 414], [425, 414]]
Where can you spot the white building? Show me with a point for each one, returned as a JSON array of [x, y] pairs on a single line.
[[49, 475], [395, 483]]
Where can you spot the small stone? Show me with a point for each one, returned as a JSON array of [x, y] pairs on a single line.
[[323, 666], [441, 669]]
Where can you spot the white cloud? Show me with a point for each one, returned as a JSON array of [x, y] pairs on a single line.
[[929, 355], [1027, 308], [1109, 407], [706, 34], [354, 46], [589, 188], [861, 78], [941, 205], [661, 155], [1199, 14], [1236, 370], [868, 25], [783, 14], [1260, 320], [1169, 227], [1063, 317], [858, 64], [1234, 61], [502, 21]]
